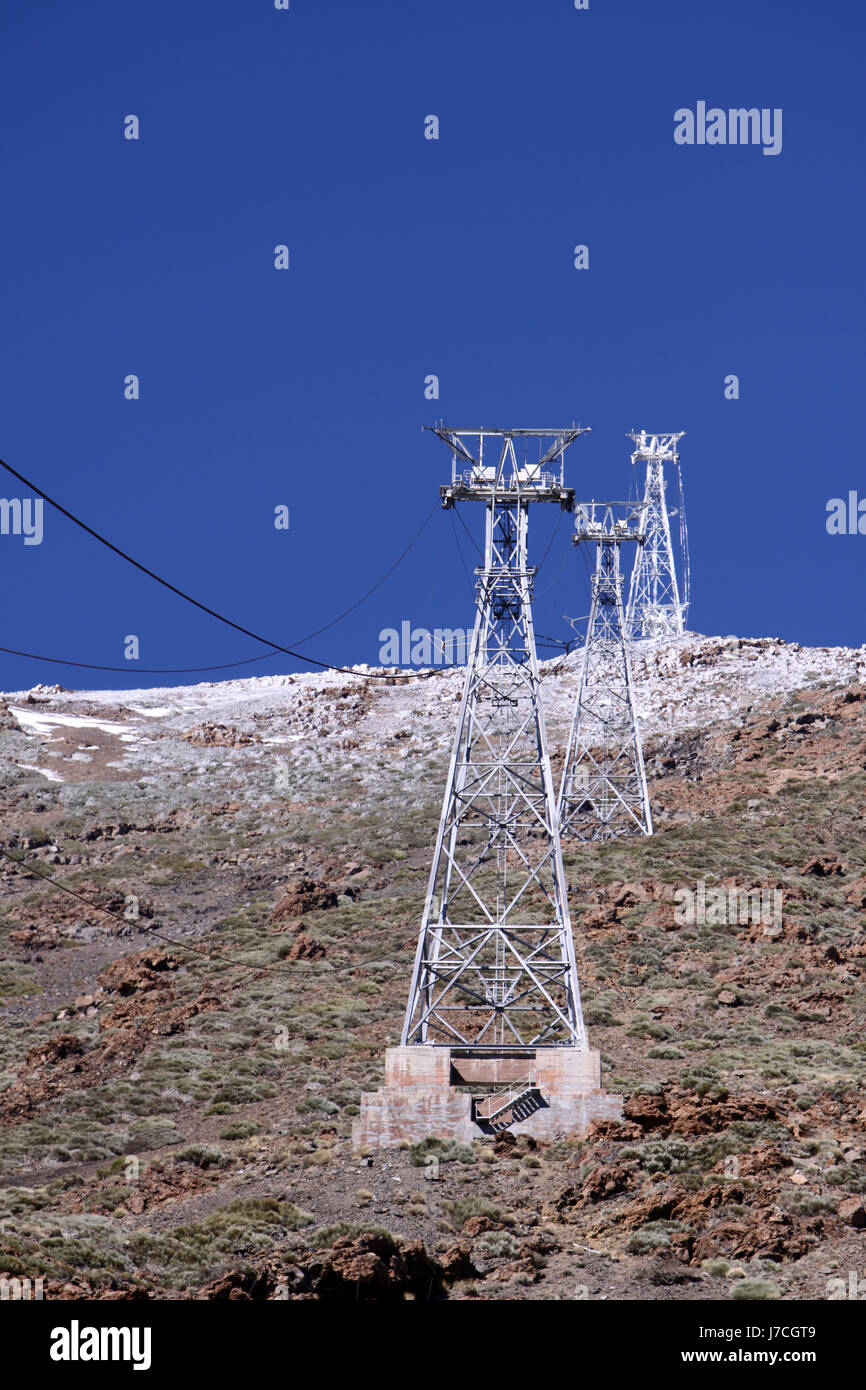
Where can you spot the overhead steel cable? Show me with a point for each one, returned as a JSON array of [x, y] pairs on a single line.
[[142, 926], [472, 541], [212, 612], [172, 941], [301, 641], [452, 513], [140, 670]]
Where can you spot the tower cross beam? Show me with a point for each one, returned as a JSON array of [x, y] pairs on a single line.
[[497, 864], [603, 793]]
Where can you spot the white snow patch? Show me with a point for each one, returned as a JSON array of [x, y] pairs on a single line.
[[46, 723], [686, 682], [48, 772]]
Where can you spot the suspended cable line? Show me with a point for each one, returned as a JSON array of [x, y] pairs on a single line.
[[212, 612], [154, 931]]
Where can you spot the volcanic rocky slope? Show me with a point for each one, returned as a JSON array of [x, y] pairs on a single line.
[[179, 1072]]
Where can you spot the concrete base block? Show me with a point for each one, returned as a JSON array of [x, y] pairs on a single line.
[[419, 1097]]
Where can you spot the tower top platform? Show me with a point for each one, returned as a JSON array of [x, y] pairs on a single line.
[[655, 445], [616, 521], [500, 465]]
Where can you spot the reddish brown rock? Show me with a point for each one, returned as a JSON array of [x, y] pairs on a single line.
[[764, 1158], [821, 868], [55, 1050], [143, 971], [306, 896], [852, 1211], [456, 1263], [855, 893], [478, 1226], [648, 1111], [374, 1266], [605, 1181], [305, 948]]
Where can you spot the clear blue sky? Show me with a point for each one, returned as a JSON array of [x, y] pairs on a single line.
[[409, 257]]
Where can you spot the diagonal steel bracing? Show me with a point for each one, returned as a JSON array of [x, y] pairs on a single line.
[[495, 962], [603, 793], [657, 605]]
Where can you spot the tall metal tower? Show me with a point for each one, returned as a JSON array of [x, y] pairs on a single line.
[[603, 793], [494, 1003], [495, 966], [657, 607]]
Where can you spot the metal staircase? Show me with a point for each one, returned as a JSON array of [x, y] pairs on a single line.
[[505, 1108]]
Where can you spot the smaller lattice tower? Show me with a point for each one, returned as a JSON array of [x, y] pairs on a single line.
[[657, 602], [603, 793]]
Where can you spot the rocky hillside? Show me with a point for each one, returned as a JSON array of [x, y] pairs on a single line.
[[185, 1041]]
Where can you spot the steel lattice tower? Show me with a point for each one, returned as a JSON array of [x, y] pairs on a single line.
[[656, 606], [495, 965], [603, 793]]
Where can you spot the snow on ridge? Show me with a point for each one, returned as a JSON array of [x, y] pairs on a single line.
[[694, 680], [681, 682], [41, 722]]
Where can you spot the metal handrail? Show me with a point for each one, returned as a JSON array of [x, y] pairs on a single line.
[[517, 1088]]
